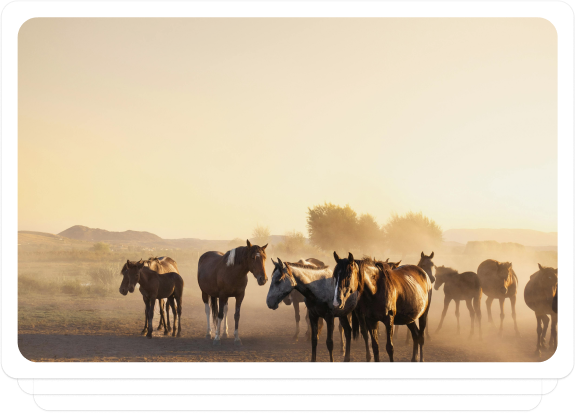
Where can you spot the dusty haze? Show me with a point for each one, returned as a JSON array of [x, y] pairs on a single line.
[[246, 121]]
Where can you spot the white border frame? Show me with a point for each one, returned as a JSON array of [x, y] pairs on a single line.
[[15, 14]]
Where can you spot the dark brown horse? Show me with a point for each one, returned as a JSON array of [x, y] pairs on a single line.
[[225, 275], [393, 296], [498, 281], [153, 286], [539, 295], [460, 286], [161, 265]]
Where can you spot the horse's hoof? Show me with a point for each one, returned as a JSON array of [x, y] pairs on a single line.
[[178, 335], [237, 342], [216, 342], [149, 336], [208, 336], [224, 335], [165, 333], [144, 332], [368, 358]]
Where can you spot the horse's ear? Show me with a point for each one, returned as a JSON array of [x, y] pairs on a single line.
[[336, 257], [264, 247], [422, 254], [540, 267], [398, 264], [387, 260], [273, 262], [350, 257], [280, 262], [248, 243], [431, 255]]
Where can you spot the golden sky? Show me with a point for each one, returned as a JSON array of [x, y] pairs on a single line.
[[207, 127]]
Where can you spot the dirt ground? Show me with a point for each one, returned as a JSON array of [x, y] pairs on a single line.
[[70, 328]]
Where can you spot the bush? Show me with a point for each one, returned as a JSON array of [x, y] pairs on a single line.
[[101, 247], [104, 276]]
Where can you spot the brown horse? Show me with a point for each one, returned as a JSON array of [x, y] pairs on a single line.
[[393, 296], [161, 265], [460, 286], [539, 295], [153, 286], [498, 281], [225, 275]]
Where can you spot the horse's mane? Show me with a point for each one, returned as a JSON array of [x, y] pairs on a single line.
[[447, 271], [306, 266]]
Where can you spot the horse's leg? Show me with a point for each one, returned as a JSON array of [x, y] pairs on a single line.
[[478, 310], [489, 301], [320, 326], [179, 311], [446, 304], [308, 330], [389, 323], [538, 334], [407, 336], [162, 321], [222, 301], [329, 337], [345, 326], [422, 322], [145, 330], [546, 321], [152, 302], [239, 300], [373, 329], [170, 304], [554, 332], [364, 332], [472, 314], [314, 329], [513, 305], [427, 324], [457, 302], [225, 321], [501, 300], [414, 330], [296, 305], [206, 300]]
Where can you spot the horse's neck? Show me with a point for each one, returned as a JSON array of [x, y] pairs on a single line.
[[145, 275], [240, 262], [313, 285], [369, 275], [428, 270]]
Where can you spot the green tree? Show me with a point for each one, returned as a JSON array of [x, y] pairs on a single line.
[[331, 227], [369, 235], [412, 233], [101, 247], [294, 242]]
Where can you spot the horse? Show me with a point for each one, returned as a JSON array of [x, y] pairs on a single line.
[[295, 298], [317, 286], [460, 286], [153, 286], [539, 295], [555, 302], [393, 296], [225, 275], [161, 265], [498, 281]]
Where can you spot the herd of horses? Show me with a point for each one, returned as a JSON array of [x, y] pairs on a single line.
[[360, 293]]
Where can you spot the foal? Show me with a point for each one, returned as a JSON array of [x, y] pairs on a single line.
[[157, 286], [460, 286]]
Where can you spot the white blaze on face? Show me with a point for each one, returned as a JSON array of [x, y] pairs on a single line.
[[335, 301], [231, 255]]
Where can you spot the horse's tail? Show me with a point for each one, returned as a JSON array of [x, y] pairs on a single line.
[[214, 309], [355, 326]]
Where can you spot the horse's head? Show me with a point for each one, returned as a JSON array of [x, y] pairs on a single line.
[[346, 280], [131, 276], [442, 274], [281, 284], [257, 262], [503, 278], [547, 278], [427, 265], [393, 265]]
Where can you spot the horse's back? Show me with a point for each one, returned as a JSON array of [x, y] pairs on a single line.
[[540, 301], [414, 290]]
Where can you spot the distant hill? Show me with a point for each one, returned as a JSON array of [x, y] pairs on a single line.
[[89, 234], [521, 236]]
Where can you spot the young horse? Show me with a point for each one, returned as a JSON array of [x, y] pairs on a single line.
[[155, 286], [539, 295], [161, 265], [457, 287], [317, 286], [498, 280], [393, 296], [225, 275]]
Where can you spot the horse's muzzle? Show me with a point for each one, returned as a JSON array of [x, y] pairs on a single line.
[[272, 306], [123, 291], [436, 287], [503, 290], [131, 289], [262, 280]]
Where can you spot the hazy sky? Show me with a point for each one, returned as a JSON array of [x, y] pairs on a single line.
[[207, 127]]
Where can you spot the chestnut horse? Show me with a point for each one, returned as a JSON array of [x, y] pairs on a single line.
[[161, 265], [539, 295], [225, 275], [393, 296], [498, 281], [153, 286]]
